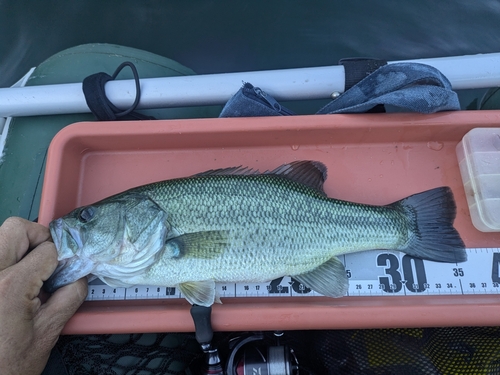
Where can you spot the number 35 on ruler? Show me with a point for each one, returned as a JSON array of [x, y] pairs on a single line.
[[405, 275]]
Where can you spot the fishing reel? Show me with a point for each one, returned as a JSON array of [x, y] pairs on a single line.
[[250, 354]]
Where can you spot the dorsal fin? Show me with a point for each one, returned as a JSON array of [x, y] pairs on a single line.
[[307, 172], [241, 171]]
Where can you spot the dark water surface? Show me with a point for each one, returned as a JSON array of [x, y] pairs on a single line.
[[224, 36]]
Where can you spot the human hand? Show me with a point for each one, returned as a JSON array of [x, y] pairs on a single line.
[[29, 328]]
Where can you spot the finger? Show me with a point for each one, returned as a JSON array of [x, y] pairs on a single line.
[[17, 235], [54, 314], [59, 308], [35, 268]]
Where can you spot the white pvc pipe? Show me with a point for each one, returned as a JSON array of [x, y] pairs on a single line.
[[467, 72], [464, 72], [5, 122]]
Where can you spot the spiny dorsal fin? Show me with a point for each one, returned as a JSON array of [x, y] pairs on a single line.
[[307, 172], [239, 171]]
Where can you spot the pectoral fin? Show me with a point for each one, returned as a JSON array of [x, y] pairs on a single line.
[[328, 279], [201, 293], [201, 245]]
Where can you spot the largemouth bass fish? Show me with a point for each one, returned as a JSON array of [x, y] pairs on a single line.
[[238, 225]]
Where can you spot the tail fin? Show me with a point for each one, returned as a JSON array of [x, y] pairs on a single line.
[[431, 215]]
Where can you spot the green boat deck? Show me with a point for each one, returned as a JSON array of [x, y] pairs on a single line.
[[28, 138]]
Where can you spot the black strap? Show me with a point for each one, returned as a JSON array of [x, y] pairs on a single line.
[[101, 106], [357, 68]]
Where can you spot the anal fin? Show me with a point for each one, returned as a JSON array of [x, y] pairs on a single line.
[[329, 279]]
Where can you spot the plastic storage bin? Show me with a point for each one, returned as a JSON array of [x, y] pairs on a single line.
[[371, 158], [479, 160]]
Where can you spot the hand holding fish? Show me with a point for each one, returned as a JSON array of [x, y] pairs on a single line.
[[29, 328]]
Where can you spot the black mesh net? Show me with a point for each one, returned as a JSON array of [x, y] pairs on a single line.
[[465, 350], [134, 354]]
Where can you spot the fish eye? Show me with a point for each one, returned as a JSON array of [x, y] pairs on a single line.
[[86, 214]]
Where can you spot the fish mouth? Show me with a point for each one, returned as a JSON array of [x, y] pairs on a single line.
[[68, 240], [68, 271], [56, 230], [71, 267]]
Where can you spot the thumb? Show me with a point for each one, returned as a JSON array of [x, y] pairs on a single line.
[[59, 308]]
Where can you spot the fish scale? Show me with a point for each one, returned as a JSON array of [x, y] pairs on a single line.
[[291, 229]]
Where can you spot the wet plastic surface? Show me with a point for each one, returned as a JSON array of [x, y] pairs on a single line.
[[373, 159]]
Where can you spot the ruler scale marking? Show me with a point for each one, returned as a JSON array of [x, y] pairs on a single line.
[[370, 273]]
